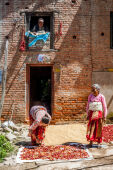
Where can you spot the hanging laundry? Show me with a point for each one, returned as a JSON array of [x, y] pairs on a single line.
[[0, 76], [43, 37], [22, 44]]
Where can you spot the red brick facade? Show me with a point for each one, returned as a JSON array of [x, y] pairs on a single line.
[[80, 50]]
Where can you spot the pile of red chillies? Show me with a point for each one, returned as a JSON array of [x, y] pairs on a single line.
[[108, 133], [61, 152]]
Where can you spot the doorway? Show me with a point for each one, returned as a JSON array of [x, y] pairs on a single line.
[[40, 86]]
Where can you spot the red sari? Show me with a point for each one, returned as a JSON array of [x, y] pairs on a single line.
[[38, 134], [94, 128]]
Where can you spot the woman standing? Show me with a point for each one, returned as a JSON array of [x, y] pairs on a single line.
[[96, 114]]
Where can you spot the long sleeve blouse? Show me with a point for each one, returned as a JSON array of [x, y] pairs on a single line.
[[99, 98], [37, 115]]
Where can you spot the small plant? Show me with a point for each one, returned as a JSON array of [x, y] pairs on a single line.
[[5, 147]]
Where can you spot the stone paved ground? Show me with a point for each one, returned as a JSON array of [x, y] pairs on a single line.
[[58, 134]]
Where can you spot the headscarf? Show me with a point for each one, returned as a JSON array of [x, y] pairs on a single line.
[[96, 86], [41, 19]]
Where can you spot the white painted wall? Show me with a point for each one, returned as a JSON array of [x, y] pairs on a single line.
[[105, 80]]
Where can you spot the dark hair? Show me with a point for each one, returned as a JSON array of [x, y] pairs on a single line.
[[45, 120]]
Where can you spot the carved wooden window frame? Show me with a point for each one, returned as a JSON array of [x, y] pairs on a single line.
[[27, 23]]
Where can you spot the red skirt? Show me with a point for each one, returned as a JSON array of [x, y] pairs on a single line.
[[38, 134], [94, 128]]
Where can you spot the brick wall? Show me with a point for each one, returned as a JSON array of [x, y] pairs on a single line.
[[80, 50]]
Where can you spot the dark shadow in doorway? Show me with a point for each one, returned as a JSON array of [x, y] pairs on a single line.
[[40, 86]]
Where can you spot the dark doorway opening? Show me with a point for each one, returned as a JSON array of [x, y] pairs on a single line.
[[40, 86]]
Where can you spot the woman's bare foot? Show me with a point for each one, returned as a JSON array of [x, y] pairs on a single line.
[[30, 133], [91, 143]]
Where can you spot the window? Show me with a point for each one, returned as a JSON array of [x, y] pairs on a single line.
[[111, 29], [45, 38]]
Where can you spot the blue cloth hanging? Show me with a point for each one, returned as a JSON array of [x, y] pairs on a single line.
[[43, 37], [0, 76]]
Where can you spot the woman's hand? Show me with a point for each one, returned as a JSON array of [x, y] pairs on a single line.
[[30, 133], [33, 33], [43, 124], [88, 115], [104, 120]]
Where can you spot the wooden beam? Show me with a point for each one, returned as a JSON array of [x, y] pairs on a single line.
[[4, 78]]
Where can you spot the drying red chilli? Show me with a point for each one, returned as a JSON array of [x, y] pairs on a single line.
[[61, 152], [108, 133]]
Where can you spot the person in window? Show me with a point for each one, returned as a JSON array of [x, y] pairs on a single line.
[[39, 27], [39, 119], [96, 114]]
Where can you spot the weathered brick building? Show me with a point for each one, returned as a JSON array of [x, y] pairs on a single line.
[[78, 52]]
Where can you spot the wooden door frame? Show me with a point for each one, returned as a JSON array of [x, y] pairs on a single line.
[[28, 66]]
